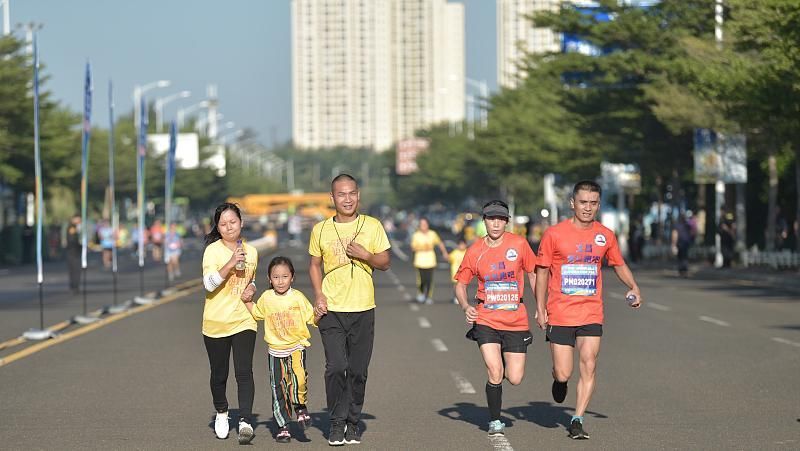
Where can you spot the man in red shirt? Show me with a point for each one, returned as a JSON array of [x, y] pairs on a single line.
[[569, 294], [500, 261]]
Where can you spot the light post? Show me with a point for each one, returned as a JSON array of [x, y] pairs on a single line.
[[159, 106], [138, 92], [182, 112], [203, 122]]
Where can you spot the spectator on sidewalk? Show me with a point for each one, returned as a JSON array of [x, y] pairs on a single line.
[[73, 251], [727, 233], [682, 239]]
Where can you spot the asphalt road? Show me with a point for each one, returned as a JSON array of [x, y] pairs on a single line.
[[704, 365]]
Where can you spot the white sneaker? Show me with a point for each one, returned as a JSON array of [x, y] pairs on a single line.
[[429, 301], [245, 432], [221, 426], [420, 298]]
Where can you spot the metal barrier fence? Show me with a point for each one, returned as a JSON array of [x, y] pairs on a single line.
[[784, 259]]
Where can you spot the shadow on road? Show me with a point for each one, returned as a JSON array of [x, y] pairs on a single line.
[[319, 420], [542, 413]]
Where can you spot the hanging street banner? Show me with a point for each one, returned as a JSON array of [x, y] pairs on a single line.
[[86, 132], [407, 151], [719, 157], [37, 162], [111, 187], [170, 180], [141, 152]]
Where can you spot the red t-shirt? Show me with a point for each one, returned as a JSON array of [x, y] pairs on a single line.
[[501, 280], [575, 258]]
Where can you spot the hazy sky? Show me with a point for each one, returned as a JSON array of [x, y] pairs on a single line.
[[243, 46]]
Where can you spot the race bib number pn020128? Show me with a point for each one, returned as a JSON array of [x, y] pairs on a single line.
[[501, 295], [579, 280]]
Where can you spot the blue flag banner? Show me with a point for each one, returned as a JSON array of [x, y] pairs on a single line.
[[86, 132], [37, 163], [111, 188], [170, 179], [141, 152]]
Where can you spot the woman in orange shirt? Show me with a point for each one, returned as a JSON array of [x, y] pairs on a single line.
[[500, 261]]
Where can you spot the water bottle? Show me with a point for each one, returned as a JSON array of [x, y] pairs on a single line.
[[631, 298], [240, 265]]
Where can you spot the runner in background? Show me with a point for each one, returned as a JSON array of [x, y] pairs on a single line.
[[569, 294], [500, 261], [423, 243], [455, 257]]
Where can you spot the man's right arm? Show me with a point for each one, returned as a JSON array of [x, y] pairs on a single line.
[[542, 278], [315, 272]]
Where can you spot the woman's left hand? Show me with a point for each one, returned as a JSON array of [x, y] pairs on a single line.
[[247, 294]]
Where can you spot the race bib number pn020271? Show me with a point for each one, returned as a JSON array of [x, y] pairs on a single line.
[[579, 280]]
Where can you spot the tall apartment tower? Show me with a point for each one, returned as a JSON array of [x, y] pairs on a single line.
[[366, 73], [515, 34]]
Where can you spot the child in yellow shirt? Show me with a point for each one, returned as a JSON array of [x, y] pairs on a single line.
[[286, 313], [455, 257]]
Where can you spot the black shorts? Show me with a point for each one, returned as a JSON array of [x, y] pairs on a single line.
[[566, 335], [510, 340]]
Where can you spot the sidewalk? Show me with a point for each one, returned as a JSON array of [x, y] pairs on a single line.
[[788, 280]]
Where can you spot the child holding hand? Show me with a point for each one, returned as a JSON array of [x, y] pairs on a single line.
[[286, 313]]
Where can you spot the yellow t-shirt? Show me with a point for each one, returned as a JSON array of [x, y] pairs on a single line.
[[456, 256], [424, 247], [347, 283], [285, 318], [224, 313]]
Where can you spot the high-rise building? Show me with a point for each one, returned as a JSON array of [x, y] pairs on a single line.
[[516, 35], [367, 73]]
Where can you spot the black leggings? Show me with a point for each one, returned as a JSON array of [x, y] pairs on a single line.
[[425, 281], [219, 351]]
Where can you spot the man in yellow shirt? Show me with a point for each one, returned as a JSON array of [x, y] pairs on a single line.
[[349, 246]]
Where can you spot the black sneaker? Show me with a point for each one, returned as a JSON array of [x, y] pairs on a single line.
[[336, 434], [576, 431], [352, 436], [559, 390]]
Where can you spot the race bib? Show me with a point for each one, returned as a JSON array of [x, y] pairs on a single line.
[[501, 295], [579, 280]]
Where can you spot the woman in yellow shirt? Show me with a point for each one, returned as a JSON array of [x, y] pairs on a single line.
[[424, 242], [229, 267]]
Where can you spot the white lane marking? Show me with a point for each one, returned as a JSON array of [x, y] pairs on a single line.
[[439, 345], [786, 342], [424, 323], [401, 288], [414, 307], [656, 306], [462, 383], [500, 443], [399, 252], [407, 296], [711, 320], [614, 294]]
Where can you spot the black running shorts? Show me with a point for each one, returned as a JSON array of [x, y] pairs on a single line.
[[566, 335], [510, 340]]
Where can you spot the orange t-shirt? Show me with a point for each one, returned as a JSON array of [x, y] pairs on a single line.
[[501, 280], [575, 258]]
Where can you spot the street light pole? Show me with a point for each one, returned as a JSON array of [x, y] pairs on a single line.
[[159, 106], [182, 112], [138, 91]]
